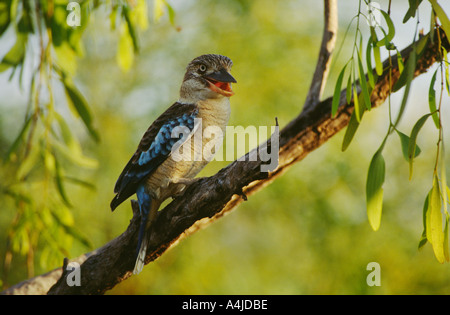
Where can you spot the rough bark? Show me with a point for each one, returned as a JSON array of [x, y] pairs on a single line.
[[211, 198], [326, 49]]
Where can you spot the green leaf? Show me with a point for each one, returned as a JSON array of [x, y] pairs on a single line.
[[406, 77], [448, 194], [59, 182], [75, 156], [374, 189], [171, 12], [67, 58], [72, 231], [337, 92], [25, 24], [16, 54], [357, 105], [422, 241], [13, 148], [421, 44], [113, 16], [401, 66], [413, 5], [352, 126], [363, 84], [27, 165], [432, 25], [131, 28], [405, 140], [376, 53], [370, 74], [432, 101], [443, 178], [158, 10], [378, 63], [435, 217], [66, 134], [4, 16], [412, 141], [80, 182], [447, 79], [77, 101], [125, 53], [71, 148], [140, 13], [445, 22], [385, 41], [58, 25], [446, 249], [408, 74], [348, 94], [425, 220]]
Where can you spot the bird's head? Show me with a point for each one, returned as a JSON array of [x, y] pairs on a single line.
[[207, 76]]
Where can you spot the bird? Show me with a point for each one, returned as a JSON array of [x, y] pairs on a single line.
[[153, 173]]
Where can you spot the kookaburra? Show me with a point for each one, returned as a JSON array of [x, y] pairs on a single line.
[[152, 173]]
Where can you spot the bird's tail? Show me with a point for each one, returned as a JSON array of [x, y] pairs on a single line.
[[148, 209], [141, 250]]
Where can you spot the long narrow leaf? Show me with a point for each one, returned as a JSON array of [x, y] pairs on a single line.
[[337, 92], [391, 31], [447, 75], [19, 139], [413, 140], [408, 76], [80, 105], [357, 105], [376, 54], [352, 126], [131, 28], [16, 54], [445, 22], [432, 101], [437, 234], [443, 178], [446, 249], [401, 66], [374, 189], [59, 182], [370, 74], [425, 219], [348, 94], [72, 231], [363, 84]]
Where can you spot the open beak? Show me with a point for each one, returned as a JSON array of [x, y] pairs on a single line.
[[220, 82]]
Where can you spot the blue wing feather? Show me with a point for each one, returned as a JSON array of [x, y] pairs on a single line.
[[154, 148]]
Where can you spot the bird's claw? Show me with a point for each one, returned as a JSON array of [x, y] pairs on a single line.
[[183, 184]]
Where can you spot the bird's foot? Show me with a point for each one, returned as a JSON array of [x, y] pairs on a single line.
[[182, 184]]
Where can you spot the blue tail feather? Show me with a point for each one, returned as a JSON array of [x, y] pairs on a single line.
[[145, 202]]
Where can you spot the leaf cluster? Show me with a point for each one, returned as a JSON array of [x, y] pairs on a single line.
[[47, 154], [358, 91]]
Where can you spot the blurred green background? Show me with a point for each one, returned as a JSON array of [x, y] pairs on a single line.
[[307, 233]]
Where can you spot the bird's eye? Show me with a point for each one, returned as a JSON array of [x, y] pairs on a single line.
[[202, 69]]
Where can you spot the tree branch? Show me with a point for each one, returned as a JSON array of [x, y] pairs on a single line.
[[213, 197], [326, 49]]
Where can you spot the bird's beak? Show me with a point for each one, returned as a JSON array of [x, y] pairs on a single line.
[[219, 82]]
